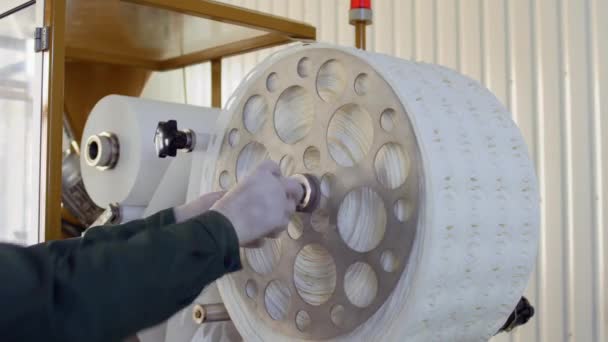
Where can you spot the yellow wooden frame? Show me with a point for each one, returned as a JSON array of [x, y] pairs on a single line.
[[52, 121]]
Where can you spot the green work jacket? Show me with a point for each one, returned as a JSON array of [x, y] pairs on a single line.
[[114, 281]]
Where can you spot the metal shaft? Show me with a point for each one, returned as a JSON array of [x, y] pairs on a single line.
[[210, 313], [360, 34]]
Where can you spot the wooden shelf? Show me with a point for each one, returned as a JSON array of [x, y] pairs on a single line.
[[168, 34]]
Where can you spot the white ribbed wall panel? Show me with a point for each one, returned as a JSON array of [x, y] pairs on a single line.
[[547, 60]]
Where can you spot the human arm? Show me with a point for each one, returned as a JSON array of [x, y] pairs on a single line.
[[117, 280], [96, 289]]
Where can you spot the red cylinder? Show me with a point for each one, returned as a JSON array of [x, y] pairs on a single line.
[[356, 4]]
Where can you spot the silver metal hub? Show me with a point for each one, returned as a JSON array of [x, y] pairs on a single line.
[[102, 151]]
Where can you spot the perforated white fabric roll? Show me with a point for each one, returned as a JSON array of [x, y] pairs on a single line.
[[478, 225]]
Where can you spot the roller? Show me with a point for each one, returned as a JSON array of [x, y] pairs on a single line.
[[119, 162], [427, 229]]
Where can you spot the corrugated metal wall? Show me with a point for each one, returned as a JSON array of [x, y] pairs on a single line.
[[547, 60]]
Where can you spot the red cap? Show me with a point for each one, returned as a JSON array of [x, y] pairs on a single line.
[[355, 4]]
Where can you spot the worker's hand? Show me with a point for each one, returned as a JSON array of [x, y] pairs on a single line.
[[260, 205], [196, 207]]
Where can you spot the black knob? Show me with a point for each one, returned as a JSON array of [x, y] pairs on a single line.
[[168, 139], [520, 316]]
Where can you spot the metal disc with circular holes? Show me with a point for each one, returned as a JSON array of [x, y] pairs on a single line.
[[425, 181], [331, 115]]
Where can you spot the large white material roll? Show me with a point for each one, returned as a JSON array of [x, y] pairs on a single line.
[[133, 180], [478, 216]]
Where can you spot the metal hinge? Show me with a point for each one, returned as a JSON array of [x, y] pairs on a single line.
[[42, 37]]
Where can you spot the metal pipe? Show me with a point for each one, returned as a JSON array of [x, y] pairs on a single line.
[[210, 313], [360, 34]]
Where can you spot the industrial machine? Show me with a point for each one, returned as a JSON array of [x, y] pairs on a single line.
[[424, 208]]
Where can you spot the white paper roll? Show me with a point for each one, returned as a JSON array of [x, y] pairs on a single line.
[[478, 227], [138, 170], [173, 187]]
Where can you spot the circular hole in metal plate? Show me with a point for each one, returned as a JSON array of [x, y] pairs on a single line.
[[337, 315], [302, 320], [388, 261], [233, 137], [350, 134], [294, 114], [295, 228], [272, 82], [360, 284], [250, 156], [362, 219], [287, 165], [312, 158], [225, 180], [327, 182], [361, 84], [387, 119], [304, 67], [276, 299], [314, 274], [251, 289], [264, 259], [255, 113], [402, 210], [391, 165], [331, 80]]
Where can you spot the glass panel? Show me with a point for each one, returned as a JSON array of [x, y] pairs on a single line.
[[19, 129]]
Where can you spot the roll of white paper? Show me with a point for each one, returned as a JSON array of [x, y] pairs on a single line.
[[138, 171], [477, 231]]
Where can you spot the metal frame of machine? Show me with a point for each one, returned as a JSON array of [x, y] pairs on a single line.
[[75, 78]]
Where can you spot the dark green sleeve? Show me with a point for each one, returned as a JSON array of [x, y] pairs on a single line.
[[112, 283]]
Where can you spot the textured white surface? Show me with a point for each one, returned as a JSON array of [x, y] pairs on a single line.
[[478, 233]]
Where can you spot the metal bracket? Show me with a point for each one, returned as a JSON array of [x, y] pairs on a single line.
[[110, 216], [42, 38]]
